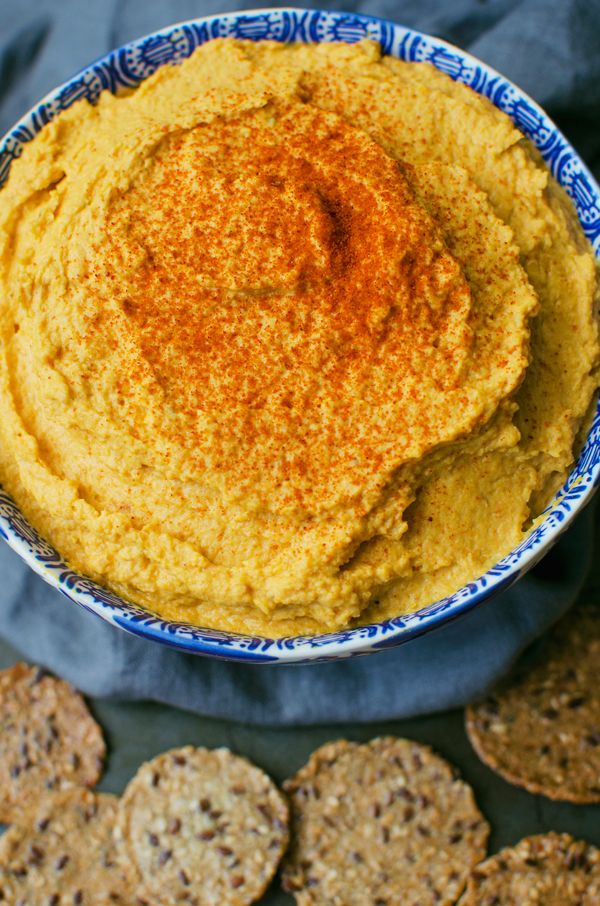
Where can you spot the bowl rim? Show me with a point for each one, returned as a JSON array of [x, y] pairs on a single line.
[[577, 490]]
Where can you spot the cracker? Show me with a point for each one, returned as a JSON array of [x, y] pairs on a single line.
[[541, 729], [553, 869], [202, 827], [379, 824], [48, 739], [63, 854]]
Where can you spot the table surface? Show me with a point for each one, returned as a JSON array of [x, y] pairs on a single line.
[[136, 731]]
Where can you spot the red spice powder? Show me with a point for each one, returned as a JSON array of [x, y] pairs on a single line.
[[290, 294]]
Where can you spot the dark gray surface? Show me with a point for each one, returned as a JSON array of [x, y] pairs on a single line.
[[552, 49], [138, 731]]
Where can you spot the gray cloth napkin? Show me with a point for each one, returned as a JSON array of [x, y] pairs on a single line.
[[551, 48]]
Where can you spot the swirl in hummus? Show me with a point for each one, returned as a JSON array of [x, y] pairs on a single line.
[[292, 337]]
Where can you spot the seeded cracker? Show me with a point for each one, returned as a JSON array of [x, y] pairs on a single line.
[[202, 827], [65, 854], [553, 869], [381, 824], [541, 729], [48, 739]]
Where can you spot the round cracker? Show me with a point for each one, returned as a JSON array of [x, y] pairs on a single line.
[[48, 739], [382, 823], [553, 869], [541, 729], [63, 854], [202, 827]]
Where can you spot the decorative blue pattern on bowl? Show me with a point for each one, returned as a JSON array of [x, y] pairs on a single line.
[[127, 67]]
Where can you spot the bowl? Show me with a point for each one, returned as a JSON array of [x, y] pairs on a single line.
[[129, 65]]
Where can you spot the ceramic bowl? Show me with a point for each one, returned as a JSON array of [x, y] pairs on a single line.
[[126, 68]]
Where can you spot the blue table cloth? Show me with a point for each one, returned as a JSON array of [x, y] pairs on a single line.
[[551, 48]]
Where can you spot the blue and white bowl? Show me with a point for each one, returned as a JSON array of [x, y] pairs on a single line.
[[130, 65]]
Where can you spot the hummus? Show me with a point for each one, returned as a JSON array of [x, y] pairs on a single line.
[[292, 337]]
